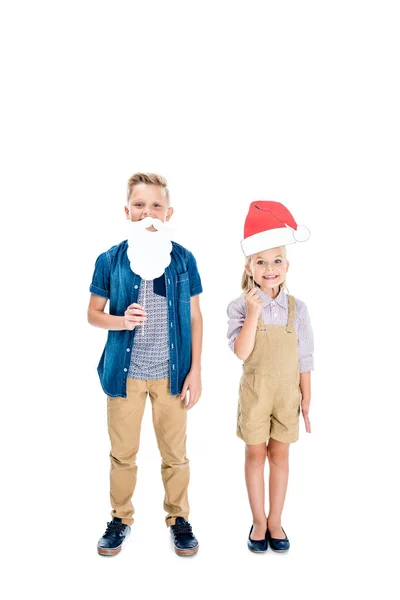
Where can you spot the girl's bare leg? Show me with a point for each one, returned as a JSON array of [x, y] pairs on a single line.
[[278, 458], [254, 473]]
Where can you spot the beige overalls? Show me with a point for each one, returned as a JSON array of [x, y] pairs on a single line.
[[269, 395]]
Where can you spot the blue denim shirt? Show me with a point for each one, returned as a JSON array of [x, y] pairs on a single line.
[[114, 279]]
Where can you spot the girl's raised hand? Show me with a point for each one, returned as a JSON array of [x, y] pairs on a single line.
[[305, 408], [254, 302]]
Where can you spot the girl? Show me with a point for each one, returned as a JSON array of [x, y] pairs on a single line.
[[270, 332]]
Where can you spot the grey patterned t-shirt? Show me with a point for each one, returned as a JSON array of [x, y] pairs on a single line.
[[150, 352]]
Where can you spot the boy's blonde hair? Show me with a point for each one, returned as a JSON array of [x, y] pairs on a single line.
[[248, 282], [150, 178]]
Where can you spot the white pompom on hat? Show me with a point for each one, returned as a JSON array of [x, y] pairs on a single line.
[[270, 225]]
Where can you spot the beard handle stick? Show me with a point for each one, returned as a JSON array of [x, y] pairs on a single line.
[[144, 304]]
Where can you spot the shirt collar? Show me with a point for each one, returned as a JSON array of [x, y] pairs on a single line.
[[281, 298]]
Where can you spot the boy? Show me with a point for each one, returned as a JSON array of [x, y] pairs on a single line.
[[161, 359]]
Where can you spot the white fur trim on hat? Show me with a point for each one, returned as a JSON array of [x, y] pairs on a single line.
[[273, 238], [301, 234]]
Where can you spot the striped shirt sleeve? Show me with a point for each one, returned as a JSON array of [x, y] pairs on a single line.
[[305, 340], [236, 316]]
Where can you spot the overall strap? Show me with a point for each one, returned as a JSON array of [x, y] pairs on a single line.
[[261, 326], [291, 314]]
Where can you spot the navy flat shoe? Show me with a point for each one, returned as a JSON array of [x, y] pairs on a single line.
[[257, 545], [278, 545]]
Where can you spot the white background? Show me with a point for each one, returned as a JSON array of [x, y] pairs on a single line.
[[296, 102]]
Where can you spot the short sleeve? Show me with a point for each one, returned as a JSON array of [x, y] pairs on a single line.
[[100, 285], [305, 341], [236, 315], [194, 277]]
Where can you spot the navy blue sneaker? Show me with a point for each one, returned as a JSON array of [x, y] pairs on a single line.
[[113, 538], [184, 541], [278, 545], [257, 545]]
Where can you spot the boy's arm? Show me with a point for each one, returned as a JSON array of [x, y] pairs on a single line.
[[134, 315], [98, 318], [193, 379], [100, 293], [196, 321]]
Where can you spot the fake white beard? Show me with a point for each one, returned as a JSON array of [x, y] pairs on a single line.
[[149, 252]]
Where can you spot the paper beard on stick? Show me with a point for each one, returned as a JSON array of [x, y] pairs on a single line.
[[149, 252]]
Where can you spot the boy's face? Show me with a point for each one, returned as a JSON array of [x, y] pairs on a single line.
[[268, 268], [148, 200]]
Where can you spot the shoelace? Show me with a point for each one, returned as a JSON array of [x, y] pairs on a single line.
[[182, 528], [112, 527]]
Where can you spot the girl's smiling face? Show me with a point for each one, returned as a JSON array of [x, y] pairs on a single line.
[[268, 269]]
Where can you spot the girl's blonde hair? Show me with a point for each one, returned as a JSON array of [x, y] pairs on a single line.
[[149, 178], [248, 282]]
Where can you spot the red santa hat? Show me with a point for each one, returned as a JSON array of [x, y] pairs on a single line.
[[270, 225]]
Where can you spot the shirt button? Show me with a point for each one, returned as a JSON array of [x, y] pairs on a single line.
[[136, 287], [125, 370], [128, 349]]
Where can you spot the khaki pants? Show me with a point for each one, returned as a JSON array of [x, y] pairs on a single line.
[[169, 420]]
